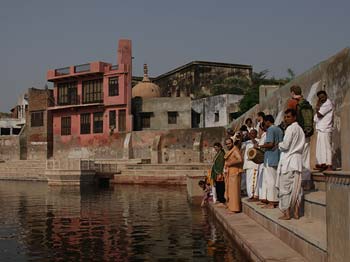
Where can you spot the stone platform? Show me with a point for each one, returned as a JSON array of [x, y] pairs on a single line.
[[32, 170], [257, 242]]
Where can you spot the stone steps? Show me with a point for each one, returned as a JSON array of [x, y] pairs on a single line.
[[23, 170], [315, 205], [257, 242], [307, 235], [319, 181], [163, 172], [191, 166]]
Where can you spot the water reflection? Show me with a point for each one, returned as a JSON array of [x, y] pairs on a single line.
[[122, 223]]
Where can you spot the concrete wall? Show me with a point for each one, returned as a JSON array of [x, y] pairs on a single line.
[[265, 91], [176, 146], [331, 75], [159, 108], [204, 110], [9, 148]]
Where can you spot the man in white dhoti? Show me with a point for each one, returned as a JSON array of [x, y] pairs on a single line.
[[324, 127], [250, 168], [290, 166], [274, 135], [261, 193]]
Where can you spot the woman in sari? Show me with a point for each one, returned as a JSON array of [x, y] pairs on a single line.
[[217, 173], [233, 169]]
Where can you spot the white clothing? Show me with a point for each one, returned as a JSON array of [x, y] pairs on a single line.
[[291, 149], [269, 181], [252, 182], [325, 123], [213, 191], [248, 163], [261, 193], [324, 148], [290, 190]]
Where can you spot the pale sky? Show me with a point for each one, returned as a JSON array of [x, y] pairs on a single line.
[[37, 35]]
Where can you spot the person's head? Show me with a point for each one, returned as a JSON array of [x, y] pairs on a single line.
[[295, 90], [243, 128], [290, 116], [201, 183], [229, 143], [249, 122], [269, 121], [260, 116], [322, 96], [253, 134], [230, 132], [262, 126], [217, 146]]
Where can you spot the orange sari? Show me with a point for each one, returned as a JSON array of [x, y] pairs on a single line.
[[233, 170]]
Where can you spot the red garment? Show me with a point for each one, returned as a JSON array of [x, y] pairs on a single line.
[[292, 103]]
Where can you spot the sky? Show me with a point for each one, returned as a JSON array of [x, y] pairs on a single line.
[[38, 35]]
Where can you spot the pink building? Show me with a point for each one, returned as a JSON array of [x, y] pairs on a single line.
[[92, 102]]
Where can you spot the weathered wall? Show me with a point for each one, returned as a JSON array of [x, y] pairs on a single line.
[[197, 78], [39, 138], [331, 75], [9, 148], [265, 91], [177, 146], [204, 110], [160, 106]]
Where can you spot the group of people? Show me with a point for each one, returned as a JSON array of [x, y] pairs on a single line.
[[277, 180]]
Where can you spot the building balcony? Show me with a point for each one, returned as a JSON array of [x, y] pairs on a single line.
[[76, 71], [75, 101]]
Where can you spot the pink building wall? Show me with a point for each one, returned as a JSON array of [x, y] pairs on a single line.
[[97, 70]]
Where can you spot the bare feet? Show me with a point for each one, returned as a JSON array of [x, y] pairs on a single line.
[[253, 200], [269, 206], [284, 217]]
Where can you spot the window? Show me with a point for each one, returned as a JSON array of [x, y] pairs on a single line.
[[37, 118], [113, 86], [98, 122], [85, 123], [65, 126], [92, 91], [16, 131], [112, 119], [122, 120], [67, 93], [5, 131], [216, 116], [172, 118], [146, 120]]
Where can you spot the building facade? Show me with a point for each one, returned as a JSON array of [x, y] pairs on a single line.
[[198, 78], [215, 111], [92, 101]]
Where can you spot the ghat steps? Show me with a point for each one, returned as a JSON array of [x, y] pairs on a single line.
[[23, 170]]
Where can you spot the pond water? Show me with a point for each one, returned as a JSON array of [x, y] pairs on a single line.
[[119, 223]]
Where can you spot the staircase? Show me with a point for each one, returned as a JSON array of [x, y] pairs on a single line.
[[174, 174], [307, 235], [23, 170]]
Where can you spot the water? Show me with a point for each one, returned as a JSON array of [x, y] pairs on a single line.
[[120, 223]]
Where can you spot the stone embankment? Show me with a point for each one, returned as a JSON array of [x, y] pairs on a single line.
[[264, 237], [23, 170]]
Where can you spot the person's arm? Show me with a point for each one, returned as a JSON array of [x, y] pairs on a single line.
[[323, 109], [287, 140], [236, 159]]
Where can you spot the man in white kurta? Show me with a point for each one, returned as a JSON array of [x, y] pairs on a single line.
[[290, 167], [324, 127], [250, 168]]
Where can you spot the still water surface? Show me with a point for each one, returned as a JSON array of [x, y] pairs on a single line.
[[120, 223]]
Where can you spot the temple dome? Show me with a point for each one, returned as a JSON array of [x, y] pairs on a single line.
[[145, 88]]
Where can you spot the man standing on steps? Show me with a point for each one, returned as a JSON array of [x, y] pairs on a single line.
[[296, 102], [290, 167], [274, 135], [324, 127]]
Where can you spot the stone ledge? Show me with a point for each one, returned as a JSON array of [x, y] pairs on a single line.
[[316, 197], [253, 239], [307, 236]]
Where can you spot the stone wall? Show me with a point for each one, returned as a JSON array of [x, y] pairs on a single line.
[[175, 146], [9, 148], [331, 75], [197, 78]]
